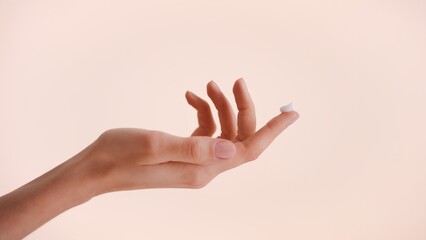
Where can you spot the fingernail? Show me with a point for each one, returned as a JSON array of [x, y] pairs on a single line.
[[243, 82], [215, 86], [241, 79], [225, 149], [287, 108], [295, 117], [190, 93]]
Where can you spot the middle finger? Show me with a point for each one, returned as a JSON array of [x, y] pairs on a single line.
[[226, 114]]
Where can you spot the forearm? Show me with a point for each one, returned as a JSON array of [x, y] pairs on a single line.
[[30, 206], [129, 158]]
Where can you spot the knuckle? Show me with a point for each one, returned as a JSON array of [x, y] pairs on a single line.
[[196, 178], [204, 106], [193, 149], [269, 126], [152, 143], [253, 154], [212, 129], [106, 135]]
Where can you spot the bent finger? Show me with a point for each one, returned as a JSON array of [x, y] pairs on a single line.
[[261, 139], [226, 114], [246, 112], [206, 124]]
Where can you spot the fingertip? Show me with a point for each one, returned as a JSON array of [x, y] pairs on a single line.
[[193, 99], [273, 128], [212, 86], [209, 88], [213, 91], [236, 87], [291, 116], [188, 94], [241, 81], [297, 115], [189, 97]]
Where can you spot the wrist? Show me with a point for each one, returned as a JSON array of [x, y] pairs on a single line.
[[33, 204], [83, 174]]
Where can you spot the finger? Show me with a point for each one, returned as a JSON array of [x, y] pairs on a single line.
[[238, 159], [251, 148], [260, 140], [200, 150], [246, 112], [226, 114], [206, 125]]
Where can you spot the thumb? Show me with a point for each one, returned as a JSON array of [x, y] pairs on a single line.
[[197, 149]]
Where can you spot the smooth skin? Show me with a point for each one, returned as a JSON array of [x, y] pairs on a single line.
[[128, 159]]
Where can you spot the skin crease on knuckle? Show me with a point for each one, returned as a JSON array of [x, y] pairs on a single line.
[[250, 152], [105, 137], [196, 177], [151, 142], [253, 154], [193, 150]]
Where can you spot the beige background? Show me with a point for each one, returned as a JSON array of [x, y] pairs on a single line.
[[352, 167]]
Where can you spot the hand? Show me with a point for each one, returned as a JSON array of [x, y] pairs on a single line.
[[124, 159]]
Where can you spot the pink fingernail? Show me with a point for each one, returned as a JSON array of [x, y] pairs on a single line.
[[215, 86], [225, 149], [191, 94]]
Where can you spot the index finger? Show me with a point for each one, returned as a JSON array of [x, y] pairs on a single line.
[[261, 139], [251, 148]]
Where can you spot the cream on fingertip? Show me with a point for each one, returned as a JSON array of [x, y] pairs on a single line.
[[287, 108]]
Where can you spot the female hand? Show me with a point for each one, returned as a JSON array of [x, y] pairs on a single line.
[[124, 159]]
